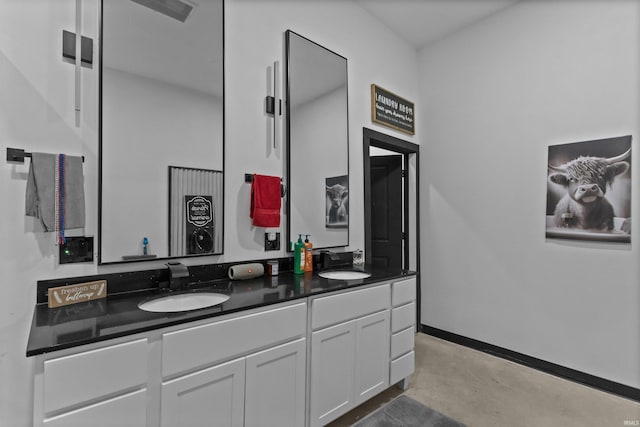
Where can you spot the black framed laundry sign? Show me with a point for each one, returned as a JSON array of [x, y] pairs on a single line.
[[390, 110]]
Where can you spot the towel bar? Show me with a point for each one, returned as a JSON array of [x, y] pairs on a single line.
[[248, 177], [18, 155]]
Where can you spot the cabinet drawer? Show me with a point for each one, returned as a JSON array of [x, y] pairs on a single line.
[[403, 317], [402, 367], [349, 305], [403, 292], [402, 342], [228, 338], [129, 410], [82, 377]]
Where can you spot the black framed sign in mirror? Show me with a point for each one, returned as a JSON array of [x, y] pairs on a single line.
[[195, 207], [161, 104], [317, 122]]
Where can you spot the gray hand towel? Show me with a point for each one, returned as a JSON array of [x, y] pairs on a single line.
[[40, 197]]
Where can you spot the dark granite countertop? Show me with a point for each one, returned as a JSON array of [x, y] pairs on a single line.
[[118, 315]]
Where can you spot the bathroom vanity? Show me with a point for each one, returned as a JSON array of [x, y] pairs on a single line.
[[302, 352]]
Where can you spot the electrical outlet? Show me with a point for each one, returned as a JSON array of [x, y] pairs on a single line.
[[76, 249], [271, 241]]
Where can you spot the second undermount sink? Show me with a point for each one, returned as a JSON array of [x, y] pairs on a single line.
[[183, 302], [344, 275]]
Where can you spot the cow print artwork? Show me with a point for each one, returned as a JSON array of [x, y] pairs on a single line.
[[337, 202], [589, 190]]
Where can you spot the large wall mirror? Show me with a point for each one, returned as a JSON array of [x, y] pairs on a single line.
[[161, 129], [317, 143]]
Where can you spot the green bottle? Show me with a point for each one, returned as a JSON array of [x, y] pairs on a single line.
[[298, 256]]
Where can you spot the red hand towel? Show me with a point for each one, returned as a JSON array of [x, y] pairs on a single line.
[[265, 201]]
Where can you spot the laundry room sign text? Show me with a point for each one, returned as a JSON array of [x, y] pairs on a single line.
[[390, 110]]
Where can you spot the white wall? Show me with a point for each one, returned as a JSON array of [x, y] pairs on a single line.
[[319, 124], [493, 97], [36, 113], [148, 124], [254, 40]]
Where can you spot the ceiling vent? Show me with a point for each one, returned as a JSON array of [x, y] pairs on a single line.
[[175, 9]]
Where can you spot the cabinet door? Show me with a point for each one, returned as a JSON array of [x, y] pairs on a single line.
[[372, 356], [276, 386], [128, 410], [332, 372], [211, 397]]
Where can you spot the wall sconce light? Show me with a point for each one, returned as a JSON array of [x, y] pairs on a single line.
[[273, 104]]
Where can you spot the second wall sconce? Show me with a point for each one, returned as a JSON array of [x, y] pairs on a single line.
[[273, 104]]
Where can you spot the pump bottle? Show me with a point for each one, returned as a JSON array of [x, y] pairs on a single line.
[[308, 254], [298, 256]]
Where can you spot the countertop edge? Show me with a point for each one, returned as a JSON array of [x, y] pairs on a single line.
[[34, 348]]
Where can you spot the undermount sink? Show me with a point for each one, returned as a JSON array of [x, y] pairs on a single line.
[[344, 275], [183, 302]]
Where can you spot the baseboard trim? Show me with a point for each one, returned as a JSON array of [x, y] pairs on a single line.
[[583, 378]]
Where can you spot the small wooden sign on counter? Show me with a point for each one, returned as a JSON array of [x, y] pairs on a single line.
[[80, 292]]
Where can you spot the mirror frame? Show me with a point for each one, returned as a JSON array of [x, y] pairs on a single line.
[[290, 237], [101, 142]]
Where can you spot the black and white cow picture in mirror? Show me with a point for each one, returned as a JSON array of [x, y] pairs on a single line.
[[589, 190], [337, 202]]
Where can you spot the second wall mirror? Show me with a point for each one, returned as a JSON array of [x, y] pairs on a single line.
[[161, 129], [317, 143]]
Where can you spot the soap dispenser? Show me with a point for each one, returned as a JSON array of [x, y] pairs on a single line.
[[308, 254], [298, 256]]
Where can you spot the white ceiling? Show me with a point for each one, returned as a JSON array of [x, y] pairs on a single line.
[[421, 22], [314, 70], [141, 38], [141, 41]]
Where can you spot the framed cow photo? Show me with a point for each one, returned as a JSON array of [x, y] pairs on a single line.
[[589, 190], [337, 202]]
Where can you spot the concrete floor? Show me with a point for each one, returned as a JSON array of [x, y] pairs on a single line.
[[482, 390]]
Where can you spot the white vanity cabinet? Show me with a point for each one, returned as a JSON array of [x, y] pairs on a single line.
[[104, 386], [242, 369], [263, 389], [403, 330], [248, 370], [349, 350], [299, 363]]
